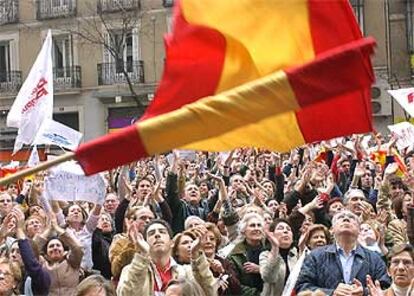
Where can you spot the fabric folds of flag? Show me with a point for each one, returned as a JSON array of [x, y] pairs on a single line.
[[270, 74]]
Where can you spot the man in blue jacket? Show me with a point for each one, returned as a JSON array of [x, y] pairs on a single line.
[[341, 269]]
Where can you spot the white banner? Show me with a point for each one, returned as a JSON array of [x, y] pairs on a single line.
[[404, 97], [54, 133], [34, 159], [34, 102], [404, 132], [67, 182]]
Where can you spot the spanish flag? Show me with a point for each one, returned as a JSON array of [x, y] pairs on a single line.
[[272, 74]]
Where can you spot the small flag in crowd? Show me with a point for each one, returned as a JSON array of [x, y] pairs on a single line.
[[34, 102], [404, 97], [275, 75]]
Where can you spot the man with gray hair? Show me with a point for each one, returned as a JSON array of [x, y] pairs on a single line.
[[341, 269]]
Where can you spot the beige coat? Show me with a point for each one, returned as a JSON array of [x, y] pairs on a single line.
[[138, 277], [65, 274]]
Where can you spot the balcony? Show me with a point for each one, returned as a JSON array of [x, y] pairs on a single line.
[[112, 73], [117, 5], [67, 78], [10, 82], [50, 9], [168, 3], [9, 11]]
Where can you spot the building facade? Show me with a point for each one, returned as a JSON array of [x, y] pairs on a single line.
[[92, 94]]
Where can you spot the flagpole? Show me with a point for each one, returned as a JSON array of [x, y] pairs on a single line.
[[41, 167]]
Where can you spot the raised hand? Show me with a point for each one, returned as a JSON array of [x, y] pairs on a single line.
[[274, 241], [374, 289], [138, 240]]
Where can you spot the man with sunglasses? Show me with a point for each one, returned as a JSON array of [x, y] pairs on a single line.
[[341, 269]]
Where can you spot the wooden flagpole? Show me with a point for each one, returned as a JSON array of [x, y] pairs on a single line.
[[41, 167]]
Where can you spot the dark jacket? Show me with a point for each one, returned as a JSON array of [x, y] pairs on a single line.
[[181, 208], [100, 252], [40, 278], [234, 284], [251, 284], [322, 270]]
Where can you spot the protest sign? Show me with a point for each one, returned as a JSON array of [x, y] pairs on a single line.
[[67, 182], [404, 132]]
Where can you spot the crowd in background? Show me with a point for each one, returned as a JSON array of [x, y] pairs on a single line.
[[325, 219]]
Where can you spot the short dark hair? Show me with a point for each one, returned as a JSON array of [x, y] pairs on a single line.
[[158, 221], [277, 221]]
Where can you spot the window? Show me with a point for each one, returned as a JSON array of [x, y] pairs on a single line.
[[70, 119], [410, 25], [4, 60], [358, 6], [62, 55], [126, 44]]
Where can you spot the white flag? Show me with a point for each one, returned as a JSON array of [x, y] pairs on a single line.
[[34, 102], [404, 131], [54, 133], [34, 159], [404, 97]]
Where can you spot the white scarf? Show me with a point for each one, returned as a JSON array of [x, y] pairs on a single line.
[[399, 291]]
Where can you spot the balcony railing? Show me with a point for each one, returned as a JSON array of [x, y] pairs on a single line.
[[10, 82], [168, 3], [117, 5], [48, 9], [67, 78], [112, 73], [9, 11]]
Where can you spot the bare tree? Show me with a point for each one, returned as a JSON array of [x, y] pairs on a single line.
[[109, 25]]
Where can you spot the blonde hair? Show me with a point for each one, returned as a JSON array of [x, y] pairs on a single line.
[[97, 282]]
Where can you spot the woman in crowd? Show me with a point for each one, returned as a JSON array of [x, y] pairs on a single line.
[[222, 269], [101, 241], [245, 254], [63, 265]]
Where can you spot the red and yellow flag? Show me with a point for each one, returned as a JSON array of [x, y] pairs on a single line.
[[265, 73]]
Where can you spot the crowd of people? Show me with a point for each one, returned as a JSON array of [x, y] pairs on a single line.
[[323, 219]]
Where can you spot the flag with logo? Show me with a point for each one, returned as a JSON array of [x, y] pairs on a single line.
[[404, 97], [34, 102]]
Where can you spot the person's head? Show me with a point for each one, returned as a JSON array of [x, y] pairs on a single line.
[[10, 276], [345, 166], [192, 193], [193, 221], [34, 225], [283, 231], [6, 203], [139, 215], [251, 228], [13, 189], [317, 236], [38, 211], [75, 214], [268, 219], [111, 203], [212, 240], [334, 205], [367, 179], [273, 205], [406, 201], [184, 287], [236, 181], [54, 250], [368, 233], [14, 253], [353, 200], [181, 250], [401, 264], [143, 188], [158, 235], [269, 187], [105, 223], [396, 187], [204, 188], [95, 285], [345, 225]]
